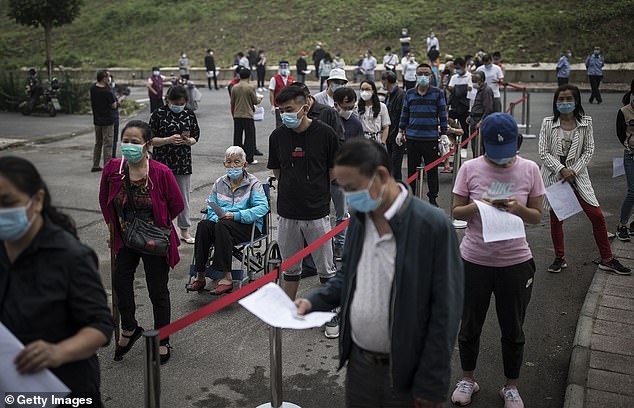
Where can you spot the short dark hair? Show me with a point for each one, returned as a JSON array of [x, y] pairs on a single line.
[[302, 86], [388, 48], [244, 72], [177, 92], [240, 54], [389, 76], [423, 65], [156, 68], [459, 61], [363, 154], [101, 74], [146, 130], [343, 93], [291, 93], [486, 58]]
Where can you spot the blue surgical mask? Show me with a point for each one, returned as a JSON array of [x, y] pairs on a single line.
[[156, 73], [501, 162], [132, 152], [14, 223], [565, 107], [234, 173], [291, 120], [459, 72], [177, 108], [334, 87], [362, 201], [422, 80], [284, 72]]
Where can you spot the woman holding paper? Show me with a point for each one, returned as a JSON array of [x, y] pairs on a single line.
[[237, 201], [51, 296], [566, 146], [625, 133], [503, 265]]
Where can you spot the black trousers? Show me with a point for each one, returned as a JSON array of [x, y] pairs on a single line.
[[427, 150], [395, 152], [222, 236], [156, 277], [209, 79], [246, 126], [155, 104], [368, 383], [595, 81], [561, 81], [462, 120], [512, 287], [261, 71]]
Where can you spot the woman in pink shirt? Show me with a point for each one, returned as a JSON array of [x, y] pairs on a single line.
[[505, 268], [156, 200]]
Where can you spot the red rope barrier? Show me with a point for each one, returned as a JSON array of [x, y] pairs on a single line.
[[515, 86]]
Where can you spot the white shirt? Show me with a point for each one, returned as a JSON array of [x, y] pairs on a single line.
[[374, 125], [273, 83], [431, 41], [244, 61], [325, 99], [369, 64], [461, 80], [493, 75], [370, 308], [409, 70], [390, 59]]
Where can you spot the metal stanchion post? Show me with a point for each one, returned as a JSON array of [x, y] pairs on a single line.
[[527, 133], [420, 182], [478, 143], [524, 105], [275, 339], [457, 162], [152, 369], [504, 101]]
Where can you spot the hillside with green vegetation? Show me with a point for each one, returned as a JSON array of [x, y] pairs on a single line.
[[141, 33]]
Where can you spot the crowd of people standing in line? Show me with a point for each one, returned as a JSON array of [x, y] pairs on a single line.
[[336, 146]]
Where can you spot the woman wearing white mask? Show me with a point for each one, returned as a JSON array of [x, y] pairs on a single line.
[[373, 113], [175, 131], [51, 295], [132, 188], [566, 146], [236, 202]]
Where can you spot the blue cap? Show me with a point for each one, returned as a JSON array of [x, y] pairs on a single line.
[[499, 135]]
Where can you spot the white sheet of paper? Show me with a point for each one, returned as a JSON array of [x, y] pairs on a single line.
[[618, 169], [12, 381], [499, 225], [273, 306], [562, 199]]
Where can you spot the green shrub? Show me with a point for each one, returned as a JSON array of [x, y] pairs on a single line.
[[12, 90], [74, 95]]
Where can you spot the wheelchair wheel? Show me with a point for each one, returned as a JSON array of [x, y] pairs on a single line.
[[272, 258]]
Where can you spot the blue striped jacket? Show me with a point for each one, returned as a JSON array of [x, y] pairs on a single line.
[[247, 202], [422, 114]]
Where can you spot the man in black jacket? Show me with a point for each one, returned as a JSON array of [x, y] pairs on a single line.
[[210, 66], [394, 102], [400, 287]]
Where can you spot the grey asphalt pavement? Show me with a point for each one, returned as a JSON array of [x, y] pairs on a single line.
[[223, 360]]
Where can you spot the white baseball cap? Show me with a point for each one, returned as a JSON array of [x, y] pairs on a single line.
[[338, 73]]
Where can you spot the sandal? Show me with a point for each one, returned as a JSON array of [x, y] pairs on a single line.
[[196, 285], [221, 289], [120, 351], [165, 357]]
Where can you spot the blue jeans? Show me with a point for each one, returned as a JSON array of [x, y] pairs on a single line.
[[341, 212], [628, 201]]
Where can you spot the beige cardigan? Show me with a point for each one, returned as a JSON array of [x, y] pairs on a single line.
[[579, 156]]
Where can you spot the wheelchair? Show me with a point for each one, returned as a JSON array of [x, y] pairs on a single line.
[[260, 254]]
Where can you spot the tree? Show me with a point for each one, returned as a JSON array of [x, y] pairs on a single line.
[[47, 14]]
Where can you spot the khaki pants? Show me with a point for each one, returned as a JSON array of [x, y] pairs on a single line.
[[104, 136]]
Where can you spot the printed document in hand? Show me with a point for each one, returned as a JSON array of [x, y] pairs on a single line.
[[273, 306], [498, 225], [618, 168], [12, 381], [562, 199]]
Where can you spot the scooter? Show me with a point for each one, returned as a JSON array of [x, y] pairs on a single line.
[[41, 100]]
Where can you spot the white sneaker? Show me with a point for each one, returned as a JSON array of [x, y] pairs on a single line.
[[511, 397], [332, 328], [465, 388]]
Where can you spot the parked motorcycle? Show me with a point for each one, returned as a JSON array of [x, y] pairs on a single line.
[[40, 99]]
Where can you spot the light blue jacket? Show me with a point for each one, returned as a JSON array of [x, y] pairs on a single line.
[[595, 64], [248, 202]]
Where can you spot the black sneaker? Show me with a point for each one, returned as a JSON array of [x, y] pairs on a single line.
[[338, 252], [623, 234], [432, 201], [258, 153], [632, 228], [557, 265], [615, 266]]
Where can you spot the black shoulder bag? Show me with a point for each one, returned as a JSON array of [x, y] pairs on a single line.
[[141, 235]]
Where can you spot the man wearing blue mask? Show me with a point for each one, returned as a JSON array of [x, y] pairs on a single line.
[[337, 79], [594, 64], [301, 155], [424, 108], [395, 357], [278, 82]]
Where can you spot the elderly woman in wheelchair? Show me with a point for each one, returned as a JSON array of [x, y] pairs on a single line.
[[237, 201]]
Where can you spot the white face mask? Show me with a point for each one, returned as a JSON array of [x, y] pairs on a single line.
[[345, 114], [365, 95]]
